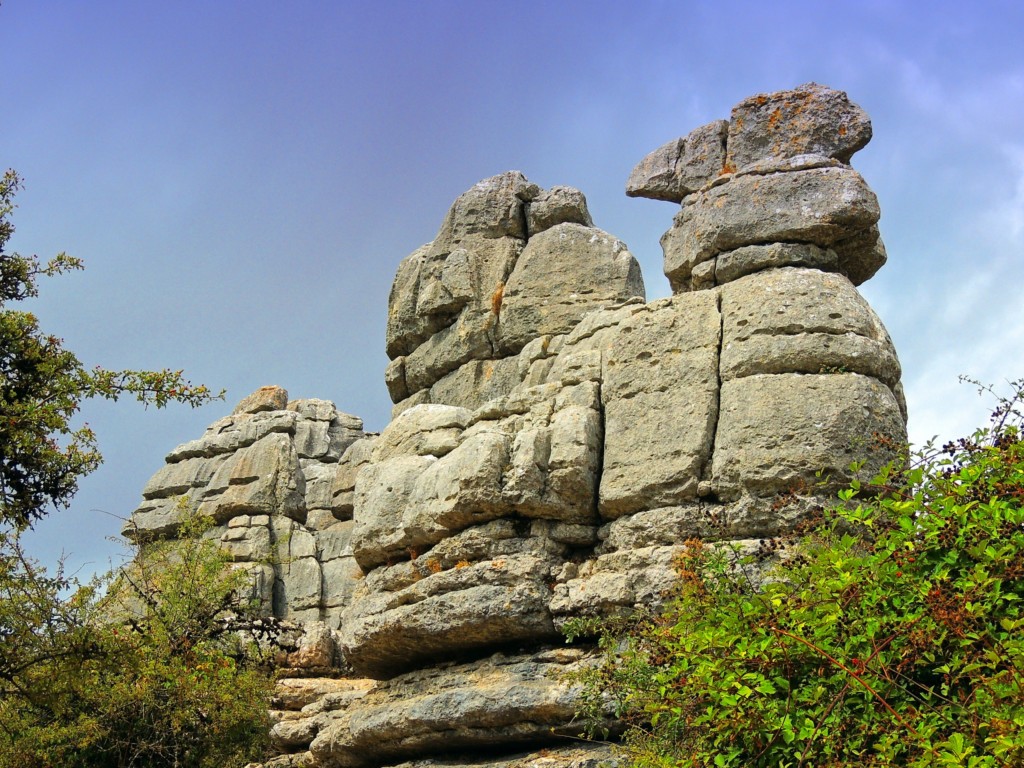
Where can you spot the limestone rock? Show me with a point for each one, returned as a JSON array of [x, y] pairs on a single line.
[[405, 331], [294, 693], [777, 432], [563, 273], [426, 430], [233, 433], [382, 495], [810, 119], [158, 518], [491, 208], [470, 296], [733, 265], [263, 399], [821, 206], [555, 440], [802, 321], [182, 477], [316, 648], [583, 756], [489, 704], [483, 605], [660, 399], [245, 541], [861, 255], [681, 166], [476, 382], [343, 487], [461, 489], [263, 478], [318, 476], [558, 205]]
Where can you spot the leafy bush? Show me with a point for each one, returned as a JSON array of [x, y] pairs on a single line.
[[888, 632], [151, 673], [43, 385]]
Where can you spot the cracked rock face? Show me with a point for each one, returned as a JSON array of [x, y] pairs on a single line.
[[556, 439], [266, 476], [511, 262]]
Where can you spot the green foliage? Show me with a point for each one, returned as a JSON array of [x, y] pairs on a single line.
[[42, 386], [889, 632], [153, 673]]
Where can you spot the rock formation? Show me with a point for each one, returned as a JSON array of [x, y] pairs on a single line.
[[555, 438]]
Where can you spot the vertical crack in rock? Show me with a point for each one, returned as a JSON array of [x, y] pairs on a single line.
[[277, 596], [599, 472], [706, 470]]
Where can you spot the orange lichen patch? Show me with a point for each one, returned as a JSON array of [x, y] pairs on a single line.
[[462, 564], [761, 100], [842, 130], [434, 566], [496, 298], [728, 167], [488, 371], [774, 118]]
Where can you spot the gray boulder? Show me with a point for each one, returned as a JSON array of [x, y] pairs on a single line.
[[681, 166], [810, 119], [563, 273], [821, 206]]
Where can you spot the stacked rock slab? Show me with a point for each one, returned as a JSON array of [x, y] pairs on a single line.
[[556, 439], [275, 478]]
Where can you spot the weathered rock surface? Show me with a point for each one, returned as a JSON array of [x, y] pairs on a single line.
[[261, 474], [820, 206], [660, 395], [773, 429], [555, 440], [501, 701], [563, 273], [511, 262], [802, 321], [776, 174], [681, 166], [810, 119]]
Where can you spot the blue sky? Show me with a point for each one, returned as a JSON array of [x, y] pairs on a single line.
[[242, 178]]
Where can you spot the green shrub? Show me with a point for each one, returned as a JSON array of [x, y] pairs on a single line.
[[144, 670], [889, 631]]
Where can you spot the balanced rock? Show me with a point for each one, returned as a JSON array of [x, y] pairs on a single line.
[[681, 166], [810, 119], [820, 206], [776, 174]]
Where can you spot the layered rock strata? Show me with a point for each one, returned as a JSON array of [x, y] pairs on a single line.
[[511, 262], [276, 478], [556, 438]]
